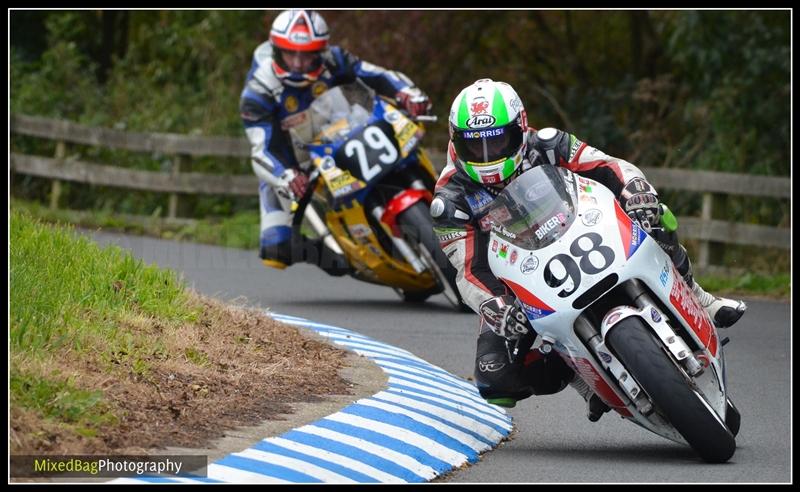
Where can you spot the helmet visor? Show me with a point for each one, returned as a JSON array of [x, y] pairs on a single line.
[[300, 62], [488, 145]]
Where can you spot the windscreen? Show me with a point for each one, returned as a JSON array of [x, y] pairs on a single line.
[[535, 209]]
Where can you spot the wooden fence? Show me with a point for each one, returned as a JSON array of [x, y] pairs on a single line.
[[714, 186]]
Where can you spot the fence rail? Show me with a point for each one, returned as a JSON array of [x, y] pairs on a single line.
[[714, 186]]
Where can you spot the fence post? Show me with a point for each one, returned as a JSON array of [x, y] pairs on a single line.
[[172, 207], [55, 186], [705, 214]]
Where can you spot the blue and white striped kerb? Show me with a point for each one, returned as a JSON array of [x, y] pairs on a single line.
[[426, 423]]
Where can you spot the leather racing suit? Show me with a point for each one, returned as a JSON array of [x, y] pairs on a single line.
[[458, 220], [269, 108]]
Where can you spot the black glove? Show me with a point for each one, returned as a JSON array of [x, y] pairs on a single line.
[[640, 202], [504, 317]]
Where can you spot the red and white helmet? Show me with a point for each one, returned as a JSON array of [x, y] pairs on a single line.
[[298, 31]]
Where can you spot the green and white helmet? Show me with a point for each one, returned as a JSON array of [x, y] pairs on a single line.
[[487, 128]]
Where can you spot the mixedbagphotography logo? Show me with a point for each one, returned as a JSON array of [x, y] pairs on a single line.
[[88, 466]]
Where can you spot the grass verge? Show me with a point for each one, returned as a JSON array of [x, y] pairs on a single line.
[[110, 354]]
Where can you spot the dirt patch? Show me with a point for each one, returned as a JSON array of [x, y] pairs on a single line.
[[234, 367]]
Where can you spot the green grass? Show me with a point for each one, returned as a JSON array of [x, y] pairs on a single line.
[[59, 399], [776, 286], [69, 296], [238, 231]]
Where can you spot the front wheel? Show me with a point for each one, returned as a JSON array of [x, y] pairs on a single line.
[[671, 393], [417, 227]]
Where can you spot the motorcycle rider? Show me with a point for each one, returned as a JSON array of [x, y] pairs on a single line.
[[490, 144], [288, 72]]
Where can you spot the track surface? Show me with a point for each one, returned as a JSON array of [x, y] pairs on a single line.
[[554, 442]]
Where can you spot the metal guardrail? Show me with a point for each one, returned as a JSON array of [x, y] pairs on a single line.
[[712, 185]]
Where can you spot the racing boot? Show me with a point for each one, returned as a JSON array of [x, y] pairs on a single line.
[[316, 252], [595, 407], [302, 249], [724, 312], [333, 263]]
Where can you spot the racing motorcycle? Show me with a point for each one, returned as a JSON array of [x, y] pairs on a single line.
[[370, 193], [601, 292]]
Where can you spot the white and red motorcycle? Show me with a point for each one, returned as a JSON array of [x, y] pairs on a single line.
[[602, 293]]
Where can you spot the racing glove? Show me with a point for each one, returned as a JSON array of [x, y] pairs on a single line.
[[504, 317], [414, 101], [640, 202], [295, 182]]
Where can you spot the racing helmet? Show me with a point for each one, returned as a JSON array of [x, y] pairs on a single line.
[[301, 35], [487, 127]]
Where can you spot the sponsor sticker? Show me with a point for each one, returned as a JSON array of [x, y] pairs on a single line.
[[503, 231], [391, 116], [535, 313], [479, 201], [294, 120], [613, 319], [481, 121], [451, 236], [684, 301], [494, 246], [592, 217], [503, 250], [359, 231], [492, 366], [479, 106], [327, 162], [655, 315], [576, 144], [299, 37], [664, 277], [513, 258], [549, 225], [529, 265], [494, 132], [606, 357], [291, 104], [318, 88]]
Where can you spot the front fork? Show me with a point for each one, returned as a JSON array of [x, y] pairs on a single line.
[[319, 227]]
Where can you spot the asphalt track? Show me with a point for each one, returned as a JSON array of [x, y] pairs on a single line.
[[553, 442]]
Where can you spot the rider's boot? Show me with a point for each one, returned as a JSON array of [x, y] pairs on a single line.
[[302, 249], [595, 407], [330, 261], [316, 252], [724, 312]]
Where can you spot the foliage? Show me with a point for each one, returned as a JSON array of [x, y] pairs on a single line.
[[692, 89]]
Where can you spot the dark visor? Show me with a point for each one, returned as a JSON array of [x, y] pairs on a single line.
[[488, 145]]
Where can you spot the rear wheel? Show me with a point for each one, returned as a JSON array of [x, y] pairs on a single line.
[[417, 227], [670, 392]]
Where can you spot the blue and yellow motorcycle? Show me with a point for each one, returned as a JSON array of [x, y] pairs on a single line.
[[371, 190]]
